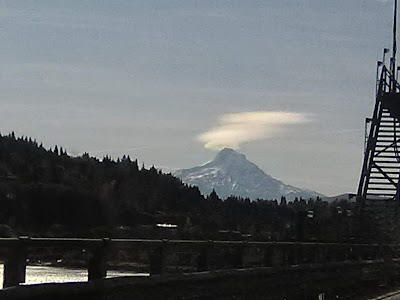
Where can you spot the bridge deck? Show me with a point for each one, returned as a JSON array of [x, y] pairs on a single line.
[[286, 270], [291, 282]]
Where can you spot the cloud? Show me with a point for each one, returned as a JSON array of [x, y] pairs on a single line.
[[238, 128]]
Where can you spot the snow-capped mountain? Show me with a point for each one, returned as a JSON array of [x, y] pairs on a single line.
[[230, 173]]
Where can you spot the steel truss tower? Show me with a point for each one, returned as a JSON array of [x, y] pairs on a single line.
[[381, 168], [380, 175]]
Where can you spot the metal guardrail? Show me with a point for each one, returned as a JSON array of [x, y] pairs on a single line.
[[93, 242], [335, 279], [15, 252]]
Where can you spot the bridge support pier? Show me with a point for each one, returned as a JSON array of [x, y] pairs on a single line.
[[238, 256], [97, 267], [15, 265], [271, 256], [202, 260], [299, 254], [157, 257], [320, 254]]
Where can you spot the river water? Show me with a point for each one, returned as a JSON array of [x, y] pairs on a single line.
[[41, 274]]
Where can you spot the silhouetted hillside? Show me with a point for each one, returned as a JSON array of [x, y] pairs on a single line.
[[42, 187], [48, 192]]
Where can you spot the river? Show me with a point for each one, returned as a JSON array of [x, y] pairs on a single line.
[[41, 274]]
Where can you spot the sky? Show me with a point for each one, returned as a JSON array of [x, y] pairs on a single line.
[[287, 83]]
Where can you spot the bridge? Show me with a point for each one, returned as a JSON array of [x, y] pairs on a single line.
[[211, 269]]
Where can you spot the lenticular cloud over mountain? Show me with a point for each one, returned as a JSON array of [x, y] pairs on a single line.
[[237, 128]]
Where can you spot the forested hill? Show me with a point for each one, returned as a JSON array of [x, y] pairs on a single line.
[[42, 187], [47, 192]]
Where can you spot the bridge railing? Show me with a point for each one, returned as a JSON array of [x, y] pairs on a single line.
[[15, 252]]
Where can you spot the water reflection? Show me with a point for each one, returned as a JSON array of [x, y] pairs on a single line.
[[41, 274]]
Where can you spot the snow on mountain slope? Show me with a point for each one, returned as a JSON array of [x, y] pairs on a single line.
[[230, 173]]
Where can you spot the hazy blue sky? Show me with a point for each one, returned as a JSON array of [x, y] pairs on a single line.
[[170, 82]]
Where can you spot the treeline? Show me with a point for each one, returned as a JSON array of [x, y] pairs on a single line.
[[47, 192]]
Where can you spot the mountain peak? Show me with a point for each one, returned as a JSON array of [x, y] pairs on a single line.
[[228, 154], [231, 173]]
